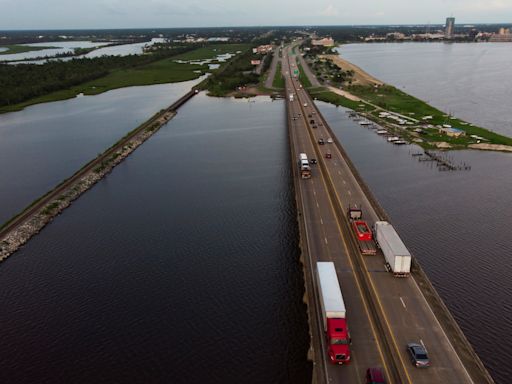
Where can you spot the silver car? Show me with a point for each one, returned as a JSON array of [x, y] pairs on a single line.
[[418, 355]]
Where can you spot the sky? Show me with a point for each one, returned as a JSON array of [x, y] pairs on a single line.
[[80, 14]]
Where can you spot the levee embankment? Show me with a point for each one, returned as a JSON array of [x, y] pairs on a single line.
[[34, 218]]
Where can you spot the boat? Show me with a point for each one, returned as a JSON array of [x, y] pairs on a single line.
[[400, 142], [393, 138], [381, 131]]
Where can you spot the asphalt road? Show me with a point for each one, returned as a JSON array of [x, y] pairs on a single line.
[[406, 315], [325, 243]]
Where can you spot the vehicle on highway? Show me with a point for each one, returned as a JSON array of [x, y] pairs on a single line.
[[310, 115], [304, 168], [328, 155], [305, 104], [398, 257], [329, 140], [312, 161], [375, 376], [418, 355], [321, 141], [312, 121], [361, 230], [333, 314], [314, 126]]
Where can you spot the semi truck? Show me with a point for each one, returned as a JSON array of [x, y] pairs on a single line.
[[362, 232], [304, 168], [396, 254], [333, 314]]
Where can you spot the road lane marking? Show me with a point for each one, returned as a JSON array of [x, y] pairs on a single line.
[[344, 182], [350, 193], [314, 193], [321, 221], [422, 343], [373, 290], [325, 238], [317, 205], [402, 300], [339, 173]]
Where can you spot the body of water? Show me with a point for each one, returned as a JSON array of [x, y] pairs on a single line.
[[59, 47], [472, 80], [182, 266], [456, 223], [46, 143], [123, 49]]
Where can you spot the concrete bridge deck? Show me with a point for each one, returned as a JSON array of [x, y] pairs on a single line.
[[384, 313]]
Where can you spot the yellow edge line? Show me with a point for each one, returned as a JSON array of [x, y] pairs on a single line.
[[370, 279], [346, 249]]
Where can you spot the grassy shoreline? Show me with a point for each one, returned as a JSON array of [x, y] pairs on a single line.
[[389, 99], [13, 49], [159, 72]]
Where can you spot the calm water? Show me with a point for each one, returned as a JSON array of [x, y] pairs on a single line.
[[46, 143], [59, 47], [180, 267], [472, 81], [456, 223], [124, 49]]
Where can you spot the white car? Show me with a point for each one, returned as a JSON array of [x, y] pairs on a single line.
[[329, 140]]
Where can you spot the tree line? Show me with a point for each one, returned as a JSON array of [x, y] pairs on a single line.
[[22, 82]]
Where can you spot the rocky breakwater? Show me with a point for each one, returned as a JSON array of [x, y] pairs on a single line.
[[51, 205]]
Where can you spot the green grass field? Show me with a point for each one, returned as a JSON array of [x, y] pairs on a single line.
[[163, 71], [211, 51], [394, 100], [303, 78], [333, 98], [278, 81], [12, 49]]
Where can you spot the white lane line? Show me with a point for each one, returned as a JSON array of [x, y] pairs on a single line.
[[314, 193], [402, 300], [344, 182], [317, 205], [339, 173], [350, 193], [421, 342], [325, 238], [321, 221]]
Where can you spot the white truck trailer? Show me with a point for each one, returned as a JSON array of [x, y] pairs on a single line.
[[398, 257], [304, 168]]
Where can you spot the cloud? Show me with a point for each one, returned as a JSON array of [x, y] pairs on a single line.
[[330, 11]]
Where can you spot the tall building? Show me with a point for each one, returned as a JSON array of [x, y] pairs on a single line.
[[450, 26]]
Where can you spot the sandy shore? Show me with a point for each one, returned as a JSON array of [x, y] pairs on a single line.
[[491, 147], [360, 77]]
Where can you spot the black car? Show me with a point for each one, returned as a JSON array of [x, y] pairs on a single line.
[[312, 161], [418, 355], [321, 141]]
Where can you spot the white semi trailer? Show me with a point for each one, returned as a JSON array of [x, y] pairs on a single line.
[[398, 257]]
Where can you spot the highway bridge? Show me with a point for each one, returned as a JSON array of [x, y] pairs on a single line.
[[384, 313]]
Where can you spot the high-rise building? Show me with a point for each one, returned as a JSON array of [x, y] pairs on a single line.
[[450, 26]]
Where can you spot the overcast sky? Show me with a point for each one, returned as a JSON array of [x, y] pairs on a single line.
[[62, 14]]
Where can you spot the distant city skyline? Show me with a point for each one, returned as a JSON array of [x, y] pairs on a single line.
[[60, 14]]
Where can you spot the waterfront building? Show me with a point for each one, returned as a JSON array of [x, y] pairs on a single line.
[[326, 42], [449, 28]]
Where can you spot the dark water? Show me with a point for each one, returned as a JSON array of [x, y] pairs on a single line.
[[43, 144], [180, 267], [456, 223], [472, 81]]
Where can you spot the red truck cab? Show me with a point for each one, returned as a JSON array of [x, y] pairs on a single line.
[[362, 230], [338, 339]]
